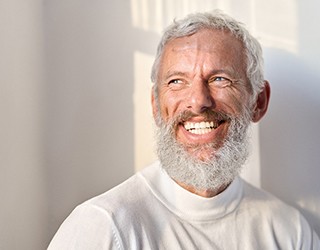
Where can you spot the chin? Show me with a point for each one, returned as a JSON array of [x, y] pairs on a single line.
[[204, 152], [201, 154]]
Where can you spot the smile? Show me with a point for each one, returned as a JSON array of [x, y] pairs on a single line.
[[200, 128]]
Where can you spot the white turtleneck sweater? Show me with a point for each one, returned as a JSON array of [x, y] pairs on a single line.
[[151, 211]]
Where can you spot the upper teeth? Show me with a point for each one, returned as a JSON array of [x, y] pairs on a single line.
[[200, 127]]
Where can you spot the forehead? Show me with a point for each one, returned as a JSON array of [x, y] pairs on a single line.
[[217, 46]]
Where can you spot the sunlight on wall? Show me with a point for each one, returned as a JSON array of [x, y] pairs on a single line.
[[155, 15], [278, 31], [143, 120]]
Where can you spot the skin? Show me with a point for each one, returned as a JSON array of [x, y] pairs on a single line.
[[205, 71]]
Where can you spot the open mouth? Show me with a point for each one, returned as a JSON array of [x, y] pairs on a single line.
[[201, 128]]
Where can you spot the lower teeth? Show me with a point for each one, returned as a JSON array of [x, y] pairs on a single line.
[[200, 131]]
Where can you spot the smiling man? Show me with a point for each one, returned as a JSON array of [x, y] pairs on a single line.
[[208, 88], [202, 89]]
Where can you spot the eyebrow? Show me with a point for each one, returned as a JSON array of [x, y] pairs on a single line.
[[230, 72], [170, 74]]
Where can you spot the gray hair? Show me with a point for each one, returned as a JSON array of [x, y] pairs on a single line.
[[218, 21]]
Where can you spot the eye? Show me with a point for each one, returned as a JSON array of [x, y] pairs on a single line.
[[220, 81], [175, 82], [220, 78]]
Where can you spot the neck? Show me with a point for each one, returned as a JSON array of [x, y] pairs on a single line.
[[207, 193]]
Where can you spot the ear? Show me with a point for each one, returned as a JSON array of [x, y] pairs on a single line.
[[262, 103], [154, 105]]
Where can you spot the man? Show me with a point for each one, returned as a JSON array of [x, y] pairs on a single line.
[[208, 88]]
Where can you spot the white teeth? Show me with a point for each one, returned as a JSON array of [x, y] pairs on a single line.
[[200, 128], [200, 131], [203, 125]]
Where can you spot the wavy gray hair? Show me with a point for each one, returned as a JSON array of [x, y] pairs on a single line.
[[218, 21]]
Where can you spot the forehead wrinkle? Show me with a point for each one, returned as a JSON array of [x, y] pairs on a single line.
[[192, 63]]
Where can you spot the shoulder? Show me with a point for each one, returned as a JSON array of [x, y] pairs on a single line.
[[128, 193], [263, 199], [266, 204], [284, 222], [87, 227], [95, 223], [129, 202]]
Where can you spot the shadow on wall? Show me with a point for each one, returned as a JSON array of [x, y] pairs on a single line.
[[290, 141]]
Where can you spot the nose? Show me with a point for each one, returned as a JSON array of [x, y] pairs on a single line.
[[200, 97]]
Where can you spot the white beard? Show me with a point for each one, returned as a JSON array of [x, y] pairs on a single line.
[[218, 170]]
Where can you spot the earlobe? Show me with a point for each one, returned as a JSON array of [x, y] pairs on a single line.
[[262, 103]]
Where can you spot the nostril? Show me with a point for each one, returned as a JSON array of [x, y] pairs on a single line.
[[200, 101]]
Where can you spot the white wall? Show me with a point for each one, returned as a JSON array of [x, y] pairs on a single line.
[[70, 130], [23, 201], [290, 140], [90, 105]]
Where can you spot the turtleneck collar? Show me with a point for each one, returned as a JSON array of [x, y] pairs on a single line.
[[188, 205]]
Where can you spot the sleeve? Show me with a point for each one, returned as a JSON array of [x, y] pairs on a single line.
[[309, 239], [87, 227], [316, 242]]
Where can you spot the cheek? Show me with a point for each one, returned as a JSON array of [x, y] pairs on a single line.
[[233, 102], [170, 105]]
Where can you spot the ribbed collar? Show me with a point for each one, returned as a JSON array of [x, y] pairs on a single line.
[[186, 204]]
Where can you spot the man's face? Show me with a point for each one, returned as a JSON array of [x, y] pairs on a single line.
[[202, 81]]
